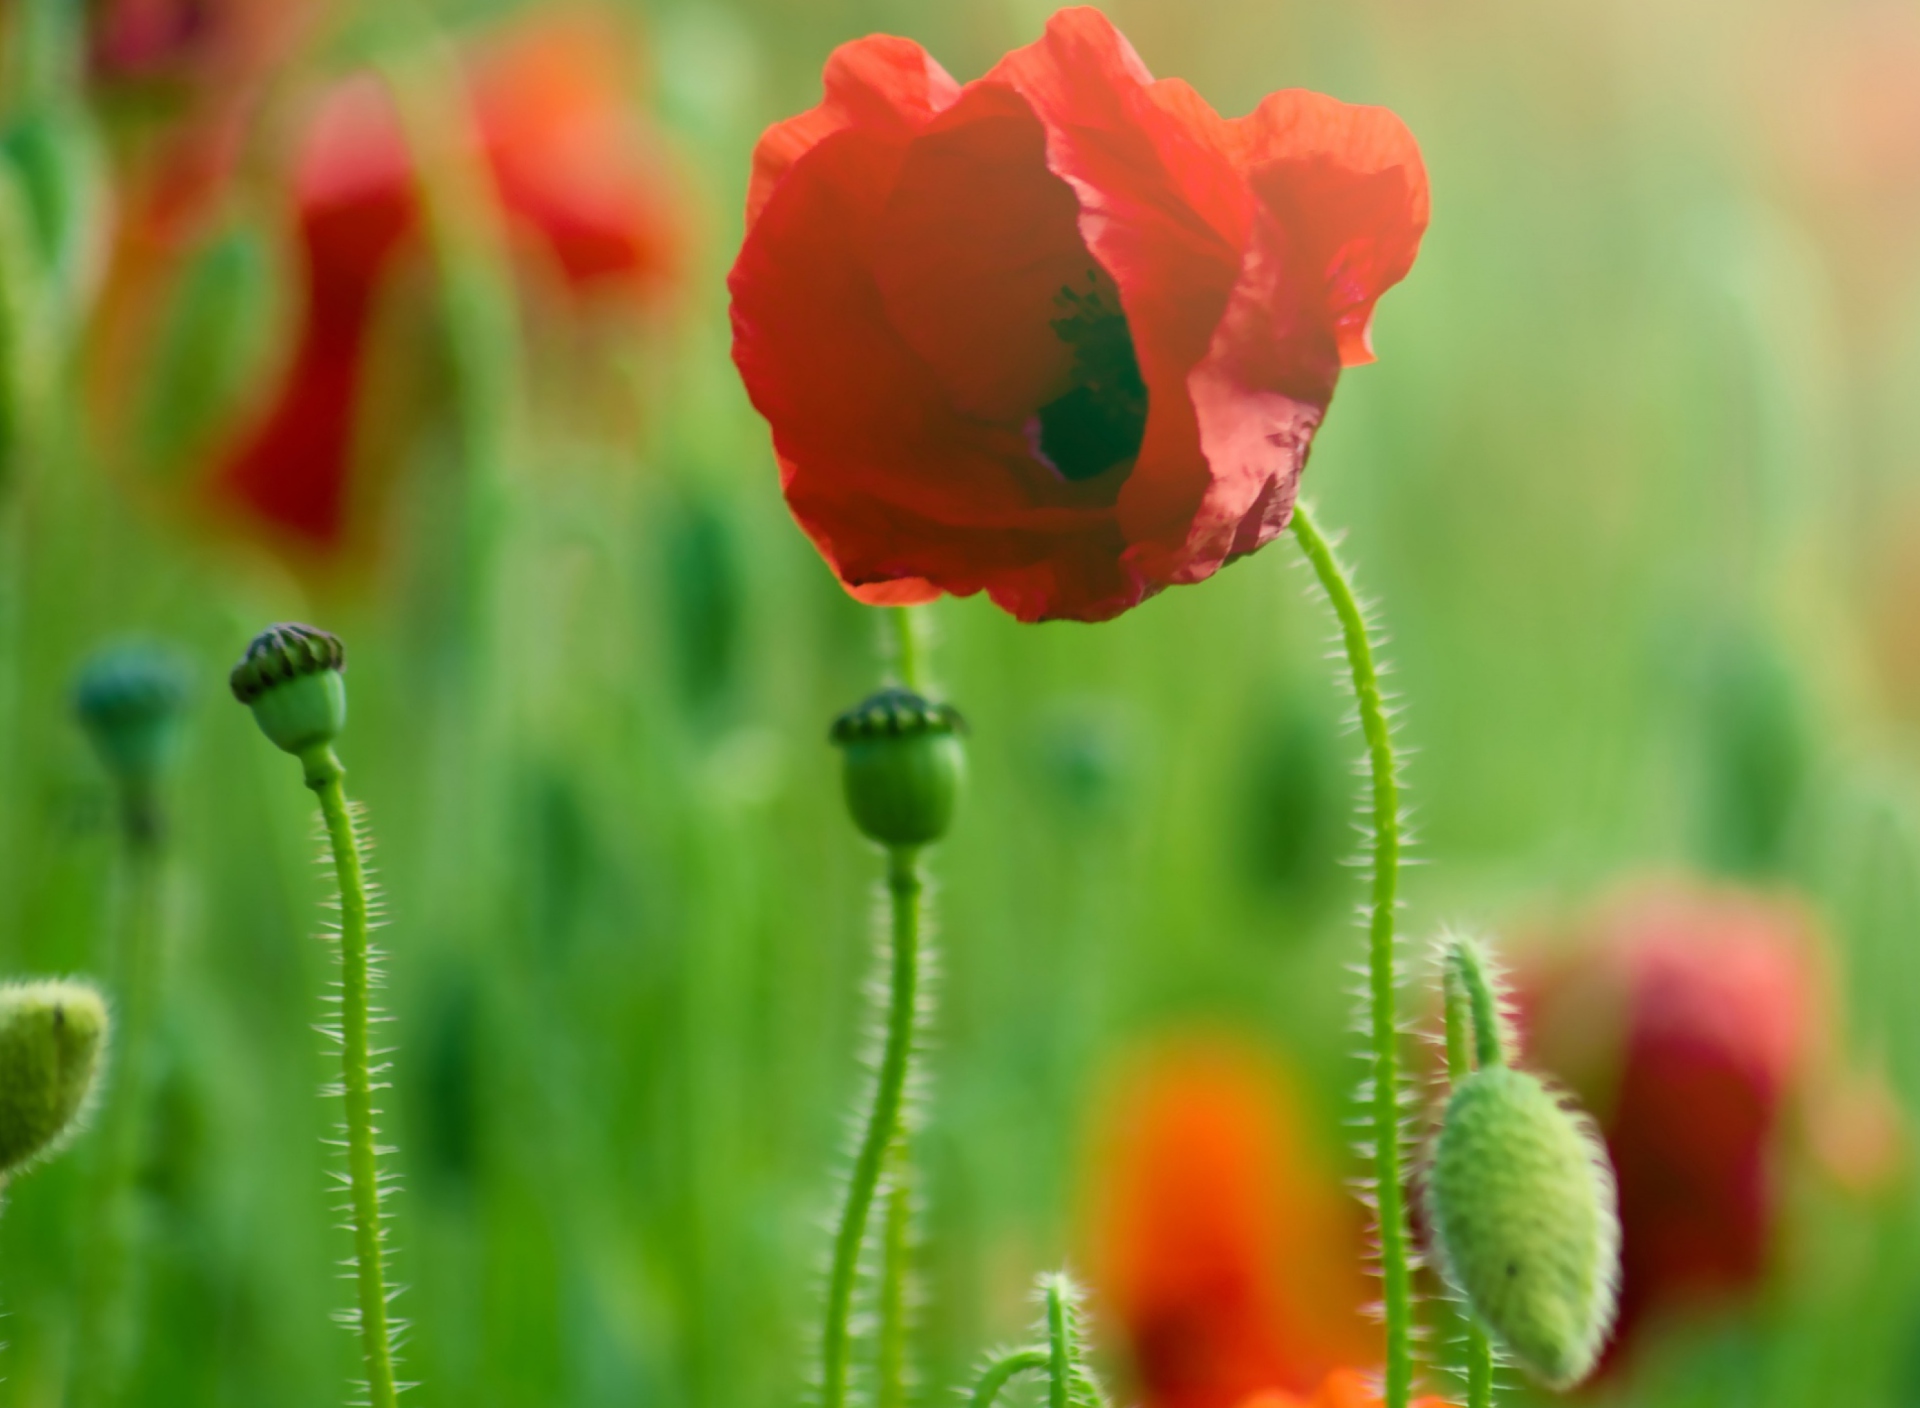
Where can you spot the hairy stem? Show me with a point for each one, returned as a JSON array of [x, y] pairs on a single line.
[[1467, 972], [1466, 1032], [1383, 1033], [1005, 1370], [1060, 1346], [883, 1121], [326, 777], [105, 1314]]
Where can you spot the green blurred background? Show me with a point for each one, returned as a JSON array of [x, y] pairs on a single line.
[[1636, 481]]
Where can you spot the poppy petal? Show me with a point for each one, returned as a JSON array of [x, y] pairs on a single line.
[[881, 83]]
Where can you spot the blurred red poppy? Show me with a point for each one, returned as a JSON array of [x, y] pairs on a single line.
[[1225, 1253], [209, 62], [1685, 1020], [1064, 334], [574, 181]]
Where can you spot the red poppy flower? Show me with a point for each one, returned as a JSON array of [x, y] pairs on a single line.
[[572, 181], [1063, 334], [1226, 1253], [1686, 1020]]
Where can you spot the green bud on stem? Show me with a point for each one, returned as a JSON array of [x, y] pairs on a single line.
[[902, 766], [52, 1038], [1522, 1205], [291, 677]]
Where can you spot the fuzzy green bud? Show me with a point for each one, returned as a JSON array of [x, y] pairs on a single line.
[[129, 699], [1521, 1201], [291, 678], [902, 766], [52, 1038]]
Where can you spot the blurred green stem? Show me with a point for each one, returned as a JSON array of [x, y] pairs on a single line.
[[479, 321], [105, 1317], [1469, 1028], [326, 777], [1390, 1193], [896, 1255], [906, 647], [883, 1122]]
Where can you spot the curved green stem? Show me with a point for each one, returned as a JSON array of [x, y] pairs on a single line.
[[104, 1316], [1005, 1370], [1480, 1015], [326, 777], [883, 1121], [1396, 1278], [1471, 1029]]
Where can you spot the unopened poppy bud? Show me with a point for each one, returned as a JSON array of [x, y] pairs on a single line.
[[52, 1037], [1521, 1200], [902, 766], [128, 698], [291, 678]]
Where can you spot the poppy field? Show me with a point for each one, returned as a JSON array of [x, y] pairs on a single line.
[[713, 703]]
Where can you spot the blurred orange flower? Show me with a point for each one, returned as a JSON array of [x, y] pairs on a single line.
[[575, 181], [1225, 1251], [1343, 1388]]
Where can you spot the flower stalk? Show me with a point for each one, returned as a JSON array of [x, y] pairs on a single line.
[[896, 1246], [327, 777], [896, 1260], [128, 699], [1382, 975], [883, 1121], [1473, 1036], [291, 677], [902, 766]]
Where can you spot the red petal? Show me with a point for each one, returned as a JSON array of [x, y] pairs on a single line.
[[1348, 186], [1162, 207], [976, 242], [881, 83], [884, 475], [902, 591]]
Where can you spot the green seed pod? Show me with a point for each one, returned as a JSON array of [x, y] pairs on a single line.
[[291, 678], [1521, 1201], [129, 698], [903, 764], [52, 1038]]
